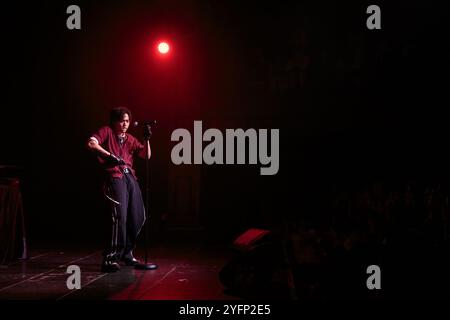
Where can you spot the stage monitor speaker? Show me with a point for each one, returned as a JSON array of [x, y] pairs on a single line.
[[250, 272], [250, 239]]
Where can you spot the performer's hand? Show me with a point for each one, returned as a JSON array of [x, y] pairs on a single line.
[[116, 159], [147, 133]]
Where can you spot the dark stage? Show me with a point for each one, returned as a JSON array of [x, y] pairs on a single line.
[[186, 272], [299, 150]]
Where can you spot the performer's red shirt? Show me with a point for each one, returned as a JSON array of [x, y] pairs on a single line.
[[106, 137]]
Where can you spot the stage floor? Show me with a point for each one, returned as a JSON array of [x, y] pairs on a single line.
[[185, 273]]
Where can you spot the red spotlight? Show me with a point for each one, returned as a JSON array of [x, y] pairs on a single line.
[[163, 47]]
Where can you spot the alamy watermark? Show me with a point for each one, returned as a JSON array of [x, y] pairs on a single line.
[[231, 151], [374, 280], [74, 280], [374, 20]]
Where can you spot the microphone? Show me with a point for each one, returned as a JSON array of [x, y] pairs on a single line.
[[144, 123]]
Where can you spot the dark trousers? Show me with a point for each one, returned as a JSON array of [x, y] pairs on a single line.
[[128, 217]]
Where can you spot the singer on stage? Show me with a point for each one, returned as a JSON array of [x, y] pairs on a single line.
[[115, 149]]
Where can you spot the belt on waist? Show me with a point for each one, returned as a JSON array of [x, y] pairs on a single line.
[[126, 170]]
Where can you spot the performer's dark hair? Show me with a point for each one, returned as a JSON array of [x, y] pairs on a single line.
[[117, 113]]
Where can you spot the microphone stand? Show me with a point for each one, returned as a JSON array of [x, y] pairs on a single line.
[[146, 265]]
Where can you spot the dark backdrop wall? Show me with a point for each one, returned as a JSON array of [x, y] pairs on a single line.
[[353, 105]]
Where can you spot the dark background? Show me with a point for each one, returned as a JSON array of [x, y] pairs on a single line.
[[354, 106]]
